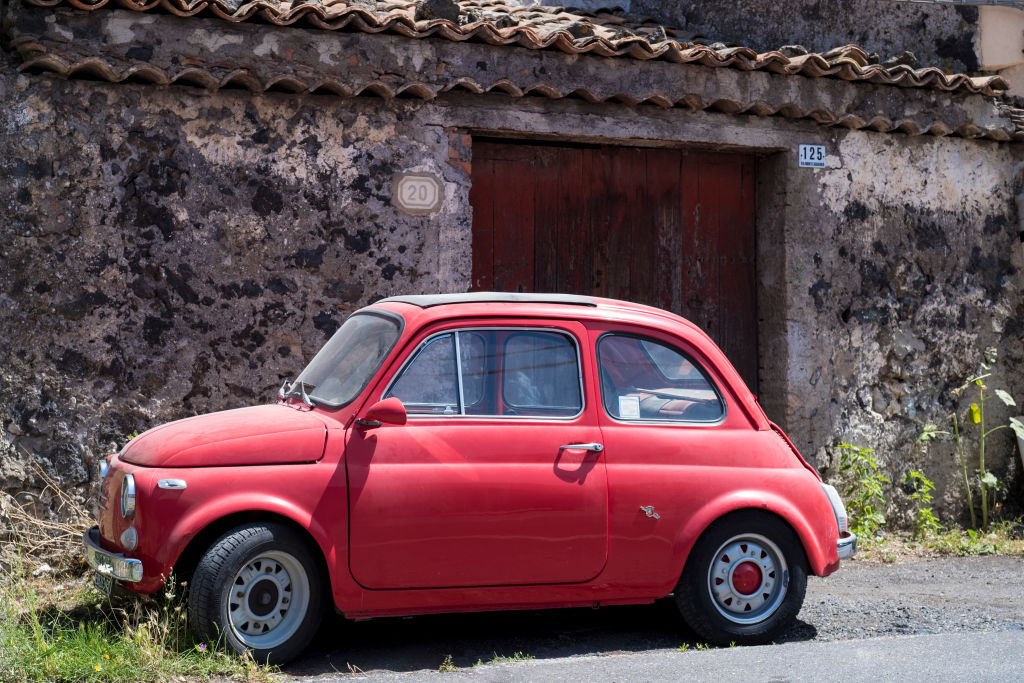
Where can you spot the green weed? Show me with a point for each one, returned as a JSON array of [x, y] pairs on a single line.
[[865, 493], [516, 657], [447, 665], [1003, 538], [925, 521], [697, 647]]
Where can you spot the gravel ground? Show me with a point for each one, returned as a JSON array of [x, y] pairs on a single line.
[[863, 599], [921, 596]]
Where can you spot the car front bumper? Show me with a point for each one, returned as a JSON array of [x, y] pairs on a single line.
[[846, 546], [114, 565]]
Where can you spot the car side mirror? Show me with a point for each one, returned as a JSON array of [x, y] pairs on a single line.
[[389, 411]]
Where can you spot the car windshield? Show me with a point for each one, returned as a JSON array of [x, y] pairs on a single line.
[[344, 366]]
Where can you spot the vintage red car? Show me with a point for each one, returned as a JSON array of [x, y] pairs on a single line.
[[480, 451]]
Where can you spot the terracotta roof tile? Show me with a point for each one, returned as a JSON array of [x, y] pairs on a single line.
[[602, 33]]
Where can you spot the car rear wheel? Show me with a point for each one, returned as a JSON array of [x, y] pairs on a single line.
[[258, 588], [744, 581]]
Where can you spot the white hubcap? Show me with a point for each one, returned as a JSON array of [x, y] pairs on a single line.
[[748, 578], [268, 599]]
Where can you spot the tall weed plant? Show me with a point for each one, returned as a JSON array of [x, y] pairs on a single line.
[[976, 475]]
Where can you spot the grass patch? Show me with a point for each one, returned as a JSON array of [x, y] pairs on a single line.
[[516, 657], [71, 635], [54, 627], [1005, 537], [502, 659]]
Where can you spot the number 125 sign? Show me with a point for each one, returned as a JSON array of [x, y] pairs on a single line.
[[812, 155]]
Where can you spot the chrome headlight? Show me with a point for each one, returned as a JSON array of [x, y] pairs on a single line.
[[127, 495], [104, 468]]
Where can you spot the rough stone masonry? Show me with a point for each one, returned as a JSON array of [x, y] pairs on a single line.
[[166, 251]]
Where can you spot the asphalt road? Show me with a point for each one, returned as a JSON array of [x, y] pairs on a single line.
[[945, 657], [935, 619]]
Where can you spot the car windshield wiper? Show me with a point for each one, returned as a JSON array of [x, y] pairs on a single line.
[[297, 389]]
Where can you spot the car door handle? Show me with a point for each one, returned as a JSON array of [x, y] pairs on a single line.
[[596, 447]]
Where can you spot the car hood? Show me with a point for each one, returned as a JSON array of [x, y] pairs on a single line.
[[260, 435]]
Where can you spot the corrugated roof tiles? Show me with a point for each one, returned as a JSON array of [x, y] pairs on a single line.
[[464, 42], [609, 33]]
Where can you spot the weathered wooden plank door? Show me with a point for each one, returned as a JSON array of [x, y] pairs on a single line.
[[666, 227]]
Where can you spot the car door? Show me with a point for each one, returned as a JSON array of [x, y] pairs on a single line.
[[497, 476]]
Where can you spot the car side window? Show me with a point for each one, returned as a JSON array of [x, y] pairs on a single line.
[[491, 372], [429, 384], [540, 374], [647, 380]]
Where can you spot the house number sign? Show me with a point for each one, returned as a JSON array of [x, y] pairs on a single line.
[[417, 194], [812, 156]]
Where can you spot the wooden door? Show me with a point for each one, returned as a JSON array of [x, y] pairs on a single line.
[[666, 227]]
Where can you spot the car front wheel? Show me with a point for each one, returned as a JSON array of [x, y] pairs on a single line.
[[744, 581], [258, 588]]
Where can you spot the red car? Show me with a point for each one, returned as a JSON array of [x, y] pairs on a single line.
[[482, 451]]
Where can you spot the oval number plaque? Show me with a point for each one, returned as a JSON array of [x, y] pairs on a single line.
[[417, 194]]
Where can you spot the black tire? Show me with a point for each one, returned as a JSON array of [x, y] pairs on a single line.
[[744, 581], [258, 588]]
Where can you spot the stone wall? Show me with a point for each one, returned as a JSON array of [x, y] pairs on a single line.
[[168, 251], [905, 263], [942, 35]]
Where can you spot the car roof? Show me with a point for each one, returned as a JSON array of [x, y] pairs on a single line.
[[473, 304]]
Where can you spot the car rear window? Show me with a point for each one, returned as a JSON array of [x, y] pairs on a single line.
[[647, 380]]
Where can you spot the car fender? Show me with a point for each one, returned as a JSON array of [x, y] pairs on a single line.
[[199, 518], [814, 546]]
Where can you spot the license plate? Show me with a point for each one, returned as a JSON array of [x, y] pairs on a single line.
[[104, 584]]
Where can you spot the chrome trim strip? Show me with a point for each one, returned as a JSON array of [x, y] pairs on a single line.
[[458, 374], [846, 546], [172, 484], [114, 565], [455, 330]]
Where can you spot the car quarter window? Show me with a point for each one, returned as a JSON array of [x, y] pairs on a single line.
[[647, 380], [499, 373], [429, 382]]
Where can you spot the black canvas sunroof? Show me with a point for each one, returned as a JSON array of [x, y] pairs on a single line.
[[429, 300]]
